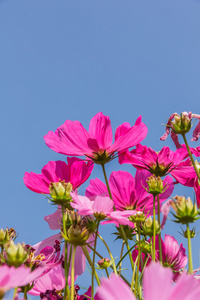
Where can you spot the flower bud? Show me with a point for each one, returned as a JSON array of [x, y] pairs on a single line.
[[181, 124], [147, 227], [104, 263], [155, 185], [60, 192], [16, 255], [6, 235], [138, 218], [145, 247], [185, 210]]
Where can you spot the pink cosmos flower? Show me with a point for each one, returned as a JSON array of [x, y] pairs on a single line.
[[161, 163], [54, 279], [99, 205], [11, 277], [72, 138], [157, 285], [76, 172], [173, 255], [128, 192], [177, 123]]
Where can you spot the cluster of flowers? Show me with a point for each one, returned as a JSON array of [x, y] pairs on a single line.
[[134, 205]]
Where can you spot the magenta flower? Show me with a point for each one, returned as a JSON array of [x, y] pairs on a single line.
[[173, 255], [157, 285], [76, 172], [72, 138], [180, 125], [100, 205], [162, 163], [128, 192]]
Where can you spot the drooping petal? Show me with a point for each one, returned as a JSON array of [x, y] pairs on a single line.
[[36, 183], [54, 220], [96, 187]]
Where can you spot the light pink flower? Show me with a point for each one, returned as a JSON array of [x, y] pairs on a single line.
[[85, 206], [157, 285], [54, 279], [11, 277], [72, 138], [162, 163], [128, 192], [76, 172]]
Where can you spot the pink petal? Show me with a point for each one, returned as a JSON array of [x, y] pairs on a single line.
[[157, 282], [114, 288], [100, 130]]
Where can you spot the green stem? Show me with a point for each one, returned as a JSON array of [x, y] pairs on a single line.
[[114, 266], [85, 251], [121, 254], [133, 276], [14, 294], [100, 256], [154, 228], [138, 264], [190, 271], [66, 262], [72, 273], [159, 236], [25, 292], [191, 157], [120, 226], [93, 262]]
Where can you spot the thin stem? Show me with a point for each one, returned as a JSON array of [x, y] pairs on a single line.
[[154, 228], [66, 263], [191, 157], [138, 264], [100, 256], [14, 294], [85, 251], [133, 276], [72, 273], [190, 271], [120, 226], [159, 236], [121, 254], [93, 262], [108, 249]]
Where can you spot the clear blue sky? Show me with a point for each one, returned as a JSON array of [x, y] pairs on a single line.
[[62, 59]]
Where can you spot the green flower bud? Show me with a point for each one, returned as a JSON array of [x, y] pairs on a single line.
[[60, 192], [4, 236], [185, 210], [155, 185], [16, 255], [145, 247], [147, 227], [181, 124], [104, 263], [138, 218]]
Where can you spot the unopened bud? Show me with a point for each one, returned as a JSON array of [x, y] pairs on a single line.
[[181, 124], [60, 192], [16, 255], [185, 210], [155, 185], [104, 263], [147, 227], [138, 218]]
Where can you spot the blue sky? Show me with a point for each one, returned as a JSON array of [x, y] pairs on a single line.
[[71, 59]]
